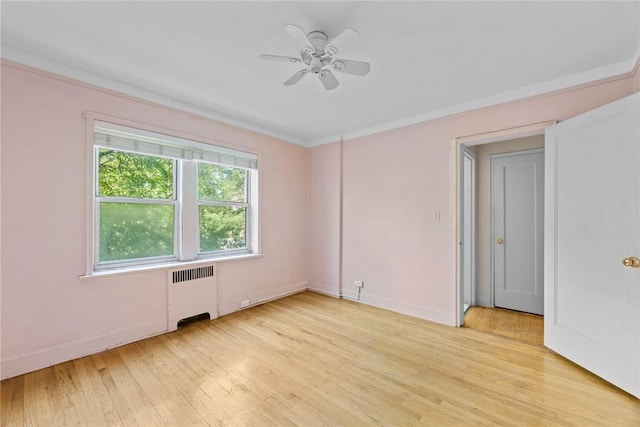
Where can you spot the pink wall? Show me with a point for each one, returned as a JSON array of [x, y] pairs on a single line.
[[324, 218], [48, 313], [395, 181]]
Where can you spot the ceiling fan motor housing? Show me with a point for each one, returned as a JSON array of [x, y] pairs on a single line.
[[318, 40]]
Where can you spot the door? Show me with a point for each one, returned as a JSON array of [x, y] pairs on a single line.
[[517, 192], [592, 285]]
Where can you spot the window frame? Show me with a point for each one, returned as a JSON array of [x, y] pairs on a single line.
[[247, 220], [174, 201], [185, 202]]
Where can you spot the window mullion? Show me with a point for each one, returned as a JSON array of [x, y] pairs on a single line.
[[188, 192]]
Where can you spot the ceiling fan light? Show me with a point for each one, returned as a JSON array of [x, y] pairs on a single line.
[[308, 49], [331, 51], [338, 65], [324, 74]]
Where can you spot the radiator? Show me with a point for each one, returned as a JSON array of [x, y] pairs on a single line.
[[191, 292]]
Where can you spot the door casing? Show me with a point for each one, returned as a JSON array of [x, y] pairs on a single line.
[[469, 228], [457, 148]]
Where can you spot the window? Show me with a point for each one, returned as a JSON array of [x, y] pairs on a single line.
[[222, 207], [160, 198]]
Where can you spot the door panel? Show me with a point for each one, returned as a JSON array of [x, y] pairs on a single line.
[[518, 212], [593, 208]]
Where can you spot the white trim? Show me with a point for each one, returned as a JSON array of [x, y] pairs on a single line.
[[41, 359], [413, 310], [167, 266], [95, 79], [473, 232], [505, 134], [284, 291], [335, 293], [619, 70], [457, 148], [51, 356], [91, 185], [350, 294], [483, 302]]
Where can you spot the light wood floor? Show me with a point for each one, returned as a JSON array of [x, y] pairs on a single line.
[[314, 360], [507, 323]]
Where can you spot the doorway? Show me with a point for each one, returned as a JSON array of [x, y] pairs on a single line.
[[480, 266]]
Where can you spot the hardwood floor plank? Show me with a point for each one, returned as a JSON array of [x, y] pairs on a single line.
[[12, 410], [172, 407], [507, 323], [96, 395], [36, 405], [312, 360]]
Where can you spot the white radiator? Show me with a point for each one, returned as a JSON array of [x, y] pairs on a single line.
[[191, 292]]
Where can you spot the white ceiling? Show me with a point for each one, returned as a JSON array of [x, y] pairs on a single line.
[[428, 59]]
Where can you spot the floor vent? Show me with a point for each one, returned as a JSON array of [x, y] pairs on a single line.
[[193, 319]]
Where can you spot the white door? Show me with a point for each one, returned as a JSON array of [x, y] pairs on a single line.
[[517, 193], [592, 197]]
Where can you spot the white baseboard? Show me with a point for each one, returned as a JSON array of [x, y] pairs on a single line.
[[282, 293], [274, 294], [483, 301], [409, 309], [51, 356], [44, 358], [350, 294], [331, 292]]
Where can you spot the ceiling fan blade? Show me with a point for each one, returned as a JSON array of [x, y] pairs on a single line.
[[341, 41], [358, 68], [296, 77], [328, 79], [279, 58], [300, 37]]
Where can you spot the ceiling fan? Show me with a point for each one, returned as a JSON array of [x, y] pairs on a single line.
[[319, 55]]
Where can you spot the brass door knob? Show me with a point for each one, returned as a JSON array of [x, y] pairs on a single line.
[[499, 241], [632, 261]]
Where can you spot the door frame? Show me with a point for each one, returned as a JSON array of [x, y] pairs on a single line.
[[473, 218], [492, 254], [457, 148]]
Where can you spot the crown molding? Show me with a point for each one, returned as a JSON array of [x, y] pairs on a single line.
[[104, 82], [619, 70]]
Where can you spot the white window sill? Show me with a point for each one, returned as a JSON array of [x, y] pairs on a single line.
[[165, 266]]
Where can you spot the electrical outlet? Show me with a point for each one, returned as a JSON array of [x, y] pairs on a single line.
[[358, 283], [244, 303]]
